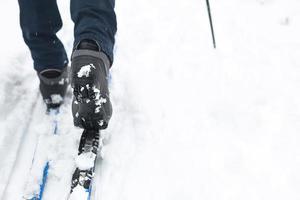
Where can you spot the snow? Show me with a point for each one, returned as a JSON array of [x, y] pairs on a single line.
[[85, 160], [85, 70], [79, 194], [63, 80], [99, 101], [56, 98], [189, 122]]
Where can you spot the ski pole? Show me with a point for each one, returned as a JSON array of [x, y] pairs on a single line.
[[211, 24]]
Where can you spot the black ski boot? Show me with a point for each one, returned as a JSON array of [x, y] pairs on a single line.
[[53, 86], [91, 105]]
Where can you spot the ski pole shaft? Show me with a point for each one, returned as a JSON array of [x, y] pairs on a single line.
[[211, 23]]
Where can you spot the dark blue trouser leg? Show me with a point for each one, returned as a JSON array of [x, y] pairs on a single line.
[[96, 20], [40, 21]]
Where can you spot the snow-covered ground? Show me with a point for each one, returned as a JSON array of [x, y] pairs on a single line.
[[189, 122]]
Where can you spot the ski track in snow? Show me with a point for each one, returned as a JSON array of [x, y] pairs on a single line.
[[189, 122], [17, 102]]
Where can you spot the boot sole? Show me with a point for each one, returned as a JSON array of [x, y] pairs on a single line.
[[88, 110]]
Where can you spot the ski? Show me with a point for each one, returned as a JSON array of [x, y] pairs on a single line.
[[89, 146], [37, 193]]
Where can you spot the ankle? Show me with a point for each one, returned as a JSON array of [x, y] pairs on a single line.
[[88, 44]]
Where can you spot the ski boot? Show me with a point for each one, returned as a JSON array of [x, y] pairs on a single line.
[[91, 105], [53, 86]]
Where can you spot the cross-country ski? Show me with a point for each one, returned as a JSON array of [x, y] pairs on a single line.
[[35, 186], [82, 179]]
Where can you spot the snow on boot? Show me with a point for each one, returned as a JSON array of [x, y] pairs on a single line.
[[91, 105], [53, 86]]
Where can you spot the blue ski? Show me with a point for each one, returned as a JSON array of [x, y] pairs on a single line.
[[38, 195], [82, 178]]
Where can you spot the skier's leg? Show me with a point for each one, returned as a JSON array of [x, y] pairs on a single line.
[[40, 21], [95, 20], [95, 28]]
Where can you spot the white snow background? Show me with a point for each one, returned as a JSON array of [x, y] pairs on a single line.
[[189, 122]]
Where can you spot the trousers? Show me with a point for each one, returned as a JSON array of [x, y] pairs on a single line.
[[40, 21]]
